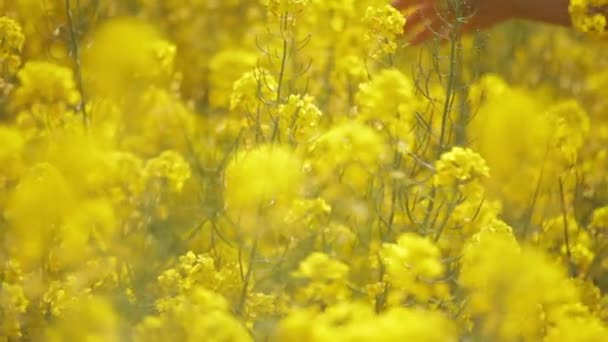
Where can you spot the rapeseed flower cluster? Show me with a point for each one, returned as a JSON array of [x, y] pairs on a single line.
[[270, 170], [585, 16]]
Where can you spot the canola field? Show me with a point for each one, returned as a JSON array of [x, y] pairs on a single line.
[[295, 170]]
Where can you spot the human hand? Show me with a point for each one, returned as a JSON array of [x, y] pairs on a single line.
[[426, 18]]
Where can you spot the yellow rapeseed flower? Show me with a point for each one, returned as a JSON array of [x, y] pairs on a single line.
[[263, 176]]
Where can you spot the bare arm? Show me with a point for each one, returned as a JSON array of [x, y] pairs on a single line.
[[548, 11]]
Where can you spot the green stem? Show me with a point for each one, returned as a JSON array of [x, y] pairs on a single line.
[[75, 51]]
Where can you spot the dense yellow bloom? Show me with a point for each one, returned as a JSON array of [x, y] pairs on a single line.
[[252, 89], [462, 168], [571, 128], [600, 219], [169, 167], [575, 248], [47, 94], [326, 280], [11, 45], [357, 322], [10, 155], [199, 315], [389, 93], [46, 84], [518, 171], [263, 176], [576, 324], [300, 118], [270, 170], [191, 269], [93, 220], [57, 297], [388, 101], [512, 288], [113, 64], [224, 69], [309, 214], [320, 267], [12, 37], [349, 152], [97, 321], [583, 16], [45, 191], [158, 120], [384, 24], [12, 306], [412, 265]]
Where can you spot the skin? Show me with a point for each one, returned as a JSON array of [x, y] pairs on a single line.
[[424, 20]]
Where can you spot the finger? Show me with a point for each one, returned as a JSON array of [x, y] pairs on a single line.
[[430, 30], [419, 16]]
